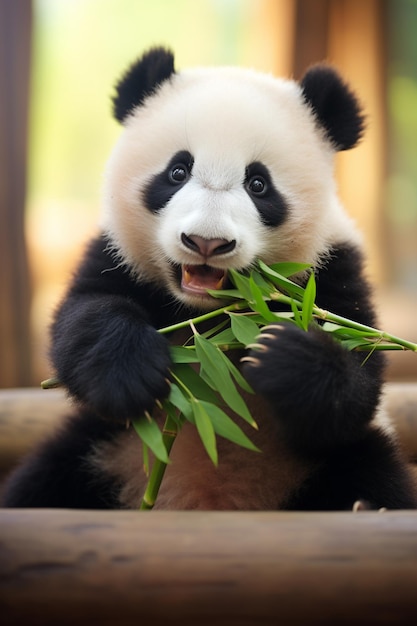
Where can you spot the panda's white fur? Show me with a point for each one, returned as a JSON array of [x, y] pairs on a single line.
[[226, 118]]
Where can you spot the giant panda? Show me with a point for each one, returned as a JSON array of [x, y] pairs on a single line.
[[216, 168]]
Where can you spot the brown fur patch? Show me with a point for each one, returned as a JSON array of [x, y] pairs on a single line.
[[243, 480]]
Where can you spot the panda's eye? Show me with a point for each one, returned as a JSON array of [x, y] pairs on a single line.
[[178, 174], [257, 185]]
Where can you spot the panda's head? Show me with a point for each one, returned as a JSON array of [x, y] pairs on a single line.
[[218, 167]]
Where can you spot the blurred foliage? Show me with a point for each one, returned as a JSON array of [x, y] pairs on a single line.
[[80, 49], [401, 202]]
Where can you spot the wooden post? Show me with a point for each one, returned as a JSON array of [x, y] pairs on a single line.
[[15, 40]]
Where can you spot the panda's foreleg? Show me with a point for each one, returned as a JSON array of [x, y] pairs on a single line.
[[325, 399], [322, 394], [108, 356], [58, 472]]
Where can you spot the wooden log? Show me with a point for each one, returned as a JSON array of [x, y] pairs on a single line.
[[401, 404], [235, 569], [28, 415]]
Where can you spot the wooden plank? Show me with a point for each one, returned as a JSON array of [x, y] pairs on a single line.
[[72, 567]]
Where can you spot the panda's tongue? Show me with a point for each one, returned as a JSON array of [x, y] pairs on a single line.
[[198, 278]]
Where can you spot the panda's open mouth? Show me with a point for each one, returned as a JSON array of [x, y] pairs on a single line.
[[197, 279]]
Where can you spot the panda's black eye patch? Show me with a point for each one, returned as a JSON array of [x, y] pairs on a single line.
[[268, 200], [166, 183]]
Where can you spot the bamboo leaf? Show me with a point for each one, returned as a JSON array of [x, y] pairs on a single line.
[[244, 328], [215, 372], [258, 303], [342, 332], [281, 281], [181, 354], [264, 285], [149, 432], [225, 427], [297, 314], [194, 382], [205, 429], [225, 293], [354, 344], [216, 330], [235, 372], [308, 301], [242, 284], [225, 337], [211, 361], [289, 269], [178, 399]]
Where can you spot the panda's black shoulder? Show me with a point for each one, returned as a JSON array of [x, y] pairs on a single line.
[[343, 286], [102, 272]]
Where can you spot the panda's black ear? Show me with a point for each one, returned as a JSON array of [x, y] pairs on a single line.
[[335, 106], [141, 79]]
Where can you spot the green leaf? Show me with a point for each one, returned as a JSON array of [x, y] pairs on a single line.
[[297, 314], [178, 399], [226, 427], [244, 328], [225, 337], [205, 429], [216, 373], [308, 301], [289, 269], [258, 303], [264, 285], [235, 372], [225, 293], [353, 344], [216, 329], [181, 354], [242, 284], [282, 282], [342, 332], [149, 432], [194, 383]]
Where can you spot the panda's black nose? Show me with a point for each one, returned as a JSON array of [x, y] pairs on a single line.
[[207, 247]]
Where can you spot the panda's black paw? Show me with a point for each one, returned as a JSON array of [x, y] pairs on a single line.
[[294, 368], [125, 382]]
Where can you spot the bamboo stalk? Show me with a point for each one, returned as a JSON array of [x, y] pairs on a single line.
[[169, 434]]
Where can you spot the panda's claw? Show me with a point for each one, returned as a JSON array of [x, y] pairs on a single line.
[[257, 347], [360, 505], [364, 505], [266, 336], [272, 327], [251, 360]]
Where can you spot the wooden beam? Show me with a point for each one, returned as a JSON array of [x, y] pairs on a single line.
[[187, 568]]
